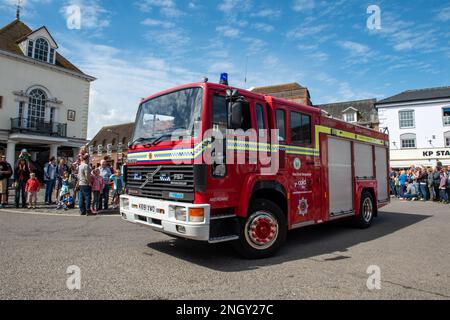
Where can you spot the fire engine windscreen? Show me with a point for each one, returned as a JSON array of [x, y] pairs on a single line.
[[176, 114]]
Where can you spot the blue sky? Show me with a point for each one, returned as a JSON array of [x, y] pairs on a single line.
[[136, 48]]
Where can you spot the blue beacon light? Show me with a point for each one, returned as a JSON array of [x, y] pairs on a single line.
[[224, 78]]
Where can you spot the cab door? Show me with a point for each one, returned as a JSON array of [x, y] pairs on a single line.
[[304, 177]]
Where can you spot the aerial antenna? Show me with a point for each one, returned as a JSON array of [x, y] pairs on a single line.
[[18, 6], [246, 68]]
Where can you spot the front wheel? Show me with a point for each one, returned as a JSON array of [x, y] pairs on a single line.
[[263, 232]]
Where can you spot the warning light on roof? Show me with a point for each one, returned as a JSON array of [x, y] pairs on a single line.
[[224, 78]]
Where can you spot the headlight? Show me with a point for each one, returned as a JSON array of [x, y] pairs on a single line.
[[196, 215], [180, 213], [125, 203]]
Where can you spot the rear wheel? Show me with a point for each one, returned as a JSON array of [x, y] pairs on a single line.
[[263, 232], [366, 211]]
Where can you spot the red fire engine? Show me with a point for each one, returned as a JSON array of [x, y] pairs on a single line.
[[327, 169]]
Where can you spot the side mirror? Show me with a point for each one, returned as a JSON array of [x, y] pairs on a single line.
[[237, 113]]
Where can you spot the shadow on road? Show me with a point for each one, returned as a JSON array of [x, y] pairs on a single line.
[[336, 237]]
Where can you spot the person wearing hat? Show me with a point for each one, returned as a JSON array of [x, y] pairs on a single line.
[[21, 176], [25, 155], [5, 173]]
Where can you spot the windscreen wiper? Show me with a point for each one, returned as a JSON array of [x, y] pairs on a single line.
[[165, 135], [141, 139]]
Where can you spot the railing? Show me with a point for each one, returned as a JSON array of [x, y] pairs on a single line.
[[446, 120], [40, 127]]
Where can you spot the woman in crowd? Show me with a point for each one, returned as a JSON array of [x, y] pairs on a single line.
[[21, 176], [97, 184]]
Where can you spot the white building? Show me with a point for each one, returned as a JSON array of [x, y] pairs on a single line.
[[419, 126], [44, 99]]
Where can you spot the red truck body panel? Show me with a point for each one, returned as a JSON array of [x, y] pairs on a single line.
[[306, 190]]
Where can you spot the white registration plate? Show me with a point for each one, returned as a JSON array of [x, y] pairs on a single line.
[[147, 208]]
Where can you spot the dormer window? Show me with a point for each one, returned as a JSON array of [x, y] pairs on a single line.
[[41, 50], [350, 115]]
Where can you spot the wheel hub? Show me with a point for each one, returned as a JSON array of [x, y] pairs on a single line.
[[262, 230], [367, 210]]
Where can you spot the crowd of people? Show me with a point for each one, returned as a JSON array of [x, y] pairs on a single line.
[[421, 183], [65, 184]]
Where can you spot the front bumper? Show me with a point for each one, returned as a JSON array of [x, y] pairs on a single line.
[[148, 212]]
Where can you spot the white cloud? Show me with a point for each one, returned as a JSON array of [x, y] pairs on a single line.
[[167, 8], [354, 48], [444, 14], [228, 5], [228, 32], [157, 23], [263, 27], [254, 45], [304, 31], [303, 5], [222, 66], [267, 13], [405, 35]]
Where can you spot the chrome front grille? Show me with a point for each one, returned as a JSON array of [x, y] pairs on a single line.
[[168, 182]]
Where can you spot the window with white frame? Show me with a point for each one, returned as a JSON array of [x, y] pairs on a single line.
[[447, 139], [41, 50], [36, 108], [406, 118], [30, 49], [350, 117], [446, 116], [408, 141]]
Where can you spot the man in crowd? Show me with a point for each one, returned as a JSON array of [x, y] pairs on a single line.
[[84, 183], [392, 176], [436, 183], [105, 173], [5, 173], [50, 179]]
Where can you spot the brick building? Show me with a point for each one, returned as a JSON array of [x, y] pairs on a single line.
[[289, 91], [111, 141]]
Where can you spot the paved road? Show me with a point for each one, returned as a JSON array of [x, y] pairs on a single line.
[[409, 242]]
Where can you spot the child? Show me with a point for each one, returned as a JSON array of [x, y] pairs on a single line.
[[117, 178], [65, 188], [97, 185], [32, 188], [68, 202]]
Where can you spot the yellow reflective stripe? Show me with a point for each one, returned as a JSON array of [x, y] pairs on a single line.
[[243, 145]]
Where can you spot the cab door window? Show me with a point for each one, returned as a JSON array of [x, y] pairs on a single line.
[[260, 120], [300, 128], [219, 113], [281, 124]]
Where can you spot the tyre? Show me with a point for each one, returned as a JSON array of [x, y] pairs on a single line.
[[366, 211], [263, 232]]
